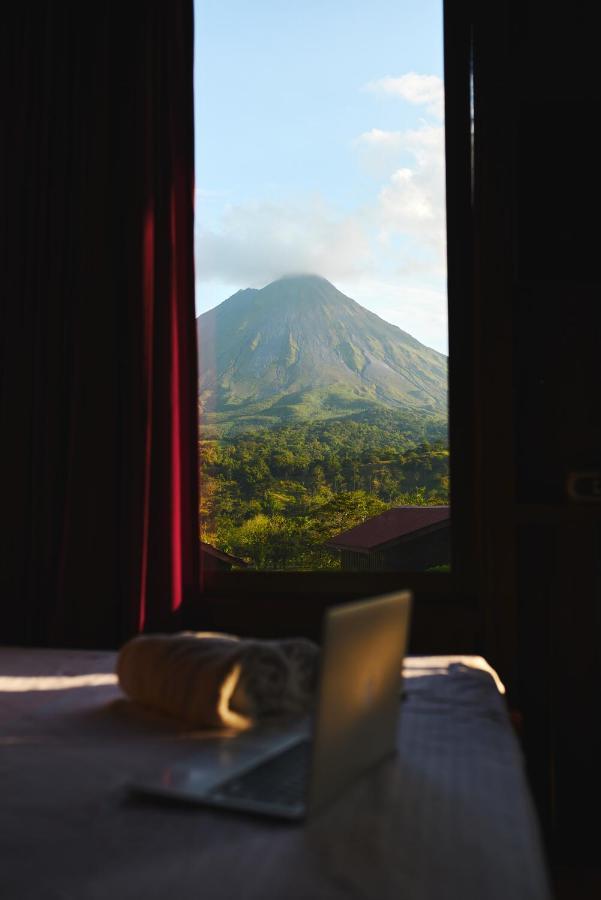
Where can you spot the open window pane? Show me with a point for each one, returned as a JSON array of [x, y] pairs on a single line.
[[321, 285]]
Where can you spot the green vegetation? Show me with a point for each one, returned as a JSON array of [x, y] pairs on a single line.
[[273, 496]]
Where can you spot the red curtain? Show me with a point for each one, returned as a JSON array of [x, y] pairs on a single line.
[[98, 381]]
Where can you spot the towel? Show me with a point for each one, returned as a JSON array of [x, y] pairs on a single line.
[[211, 679]]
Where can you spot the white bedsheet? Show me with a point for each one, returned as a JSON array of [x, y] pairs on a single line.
[[450, 817]]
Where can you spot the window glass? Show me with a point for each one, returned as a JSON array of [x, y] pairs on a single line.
[[321, 285]]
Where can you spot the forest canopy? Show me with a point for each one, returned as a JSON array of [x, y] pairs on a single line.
[[273, 496]]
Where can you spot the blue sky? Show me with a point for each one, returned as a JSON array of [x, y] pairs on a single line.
[[319, 148]]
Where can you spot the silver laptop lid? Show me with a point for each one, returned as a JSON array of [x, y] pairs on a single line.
[[359, 691]]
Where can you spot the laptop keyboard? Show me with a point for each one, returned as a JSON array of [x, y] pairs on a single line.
[[281, 780]]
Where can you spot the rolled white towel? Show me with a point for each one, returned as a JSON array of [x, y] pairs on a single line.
[[211, 679]]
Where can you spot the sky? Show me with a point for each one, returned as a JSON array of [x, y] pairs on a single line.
[[320, 149]]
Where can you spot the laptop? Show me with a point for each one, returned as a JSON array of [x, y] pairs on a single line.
[[354, 722]]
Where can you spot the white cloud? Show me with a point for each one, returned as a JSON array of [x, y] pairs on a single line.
[[378, 138], [256, 243], [379, 151], [424, 145], [362, 254], [405, 205], [411, 204], [420, 90]]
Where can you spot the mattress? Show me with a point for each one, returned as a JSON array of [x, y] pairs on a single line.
[[450, 816]]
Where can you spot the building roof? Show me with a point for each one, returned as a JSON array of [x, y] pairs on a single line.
[[401, 523], [221, 554]]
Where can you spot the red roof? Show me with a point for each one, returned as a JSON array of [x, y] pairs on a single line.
[[398, 523]]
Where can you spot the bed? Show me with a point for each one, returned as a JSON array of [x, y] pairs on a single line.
[[449, 817]]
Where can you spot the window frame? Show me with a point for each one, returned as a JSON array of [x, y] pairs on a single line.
[[446, 613]]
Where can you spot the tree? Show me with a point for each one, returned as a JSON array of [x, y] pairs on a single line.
[[346, 510]]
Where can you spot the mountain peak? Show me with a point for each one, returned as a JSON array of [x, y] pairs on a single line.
[[244, 292], [300, 348], [303, 278]]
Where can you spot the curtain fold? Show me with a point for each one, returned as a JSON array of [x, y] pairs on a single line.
[[98, 381]]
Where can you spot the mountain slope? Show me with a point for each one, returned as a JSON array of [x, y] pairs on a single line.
[[300, 349]]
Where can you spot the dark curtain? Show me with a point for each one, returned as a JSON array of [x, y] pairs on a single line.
[[98, 383]]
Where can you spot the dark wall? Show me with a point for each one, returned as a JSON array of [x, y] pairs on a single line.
[[558, 420], [421, 553], [416, 555], [538, 154]]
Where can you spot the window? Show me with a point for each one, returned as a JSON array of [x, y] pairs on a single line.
[[272, 462]]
